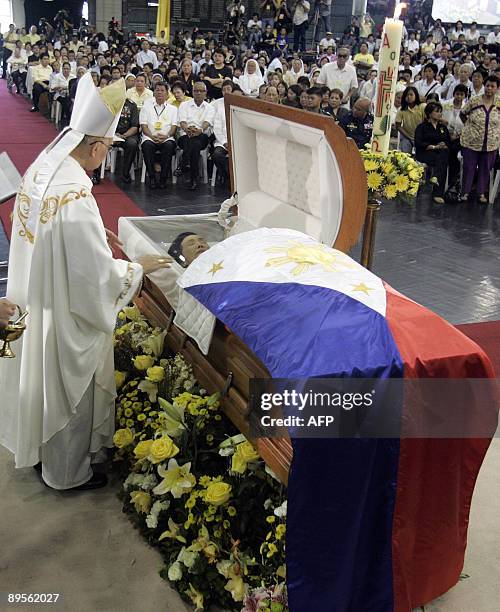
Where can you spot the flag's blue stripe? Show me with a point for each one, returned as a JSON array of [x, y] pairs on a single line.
[[321, 332], [341, 493]]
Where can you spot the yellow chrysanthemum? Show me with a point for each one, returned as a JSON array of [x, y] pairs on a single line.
[[128, 412], [374, 180], [141, 417], [391, 192], [370, 165], [402, 182], [388, 167]]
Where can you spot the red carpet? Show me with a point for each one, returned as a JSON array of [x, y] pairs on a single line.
[[25, 134]]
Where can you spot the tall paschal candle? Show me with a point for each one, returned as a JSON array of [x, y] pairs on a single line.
[[388, 67]]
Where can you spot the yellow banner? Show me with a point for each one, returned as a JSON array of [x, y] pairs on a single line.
[[163, 21]]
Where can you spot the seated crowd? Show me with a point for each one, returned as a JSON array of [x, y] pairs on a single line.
[[447, 105]]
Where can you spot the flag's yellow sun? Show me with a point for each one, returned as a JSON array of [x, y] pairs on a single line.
[[305, 256]]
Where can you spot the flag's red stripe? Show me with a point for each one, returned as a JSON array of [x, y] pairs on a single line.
[[436, 477]]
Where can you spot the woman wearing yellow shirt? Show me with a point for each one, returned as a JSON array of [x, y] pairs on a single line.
[[179, 94], [408, 117]]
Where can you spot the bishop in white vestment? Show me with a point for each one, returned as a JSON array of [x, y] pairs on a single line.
[[57, 395]]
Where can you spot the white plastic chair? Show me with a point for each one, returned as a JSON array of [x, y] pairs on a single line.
[[494, 185], [214, 176], [111, 160]]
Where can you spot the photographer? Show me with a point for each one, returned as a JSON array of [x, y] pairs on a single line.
[[300, 16]]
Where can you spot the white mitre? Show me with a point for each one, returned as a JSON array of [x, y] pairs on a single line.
[[96, 112]]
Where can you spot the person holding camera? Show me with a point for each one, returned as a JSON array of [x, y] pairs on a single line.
[[300, 17]]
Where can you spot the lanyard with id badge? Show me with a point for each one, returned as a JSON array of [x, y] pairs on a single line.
[[159, 124]]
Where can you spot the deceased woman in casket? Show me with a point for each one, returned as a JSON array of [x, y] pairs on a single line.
[[187, 247]]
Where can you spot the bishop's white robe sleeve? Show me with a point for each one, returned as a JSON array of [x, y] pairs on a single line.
[[98, 285]]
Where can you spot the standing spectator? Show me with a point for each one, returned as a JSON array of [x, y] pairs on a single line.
[[369, 87], [159, 124], [366, 27], [324, 7], [268, 12], [472, 35], [432, 142], [451, 118], [358, 123], [480, 138], [195, 119], [340, 75], [437, 32], [428, 84], [408, 117], [10, 38], [216, 74], [300, 16], [220, 133], [254, 29]]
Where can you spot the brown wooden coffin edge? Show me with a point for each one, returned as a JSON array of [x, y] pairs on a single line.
[[229, 360]]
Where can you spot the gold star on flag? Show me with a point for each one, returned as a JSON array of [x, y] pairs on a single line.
[[215, 268], [363, 288]]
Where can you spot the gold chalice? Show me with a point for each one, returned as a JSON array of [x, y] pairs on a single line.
[[13, 331]]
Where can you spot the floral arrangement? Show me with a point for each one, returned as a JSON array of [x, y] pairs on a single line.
[[395, 175], [194, 486]]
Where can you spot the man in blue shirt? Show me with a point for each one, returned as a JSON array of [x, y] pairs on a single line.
[[358, 123]]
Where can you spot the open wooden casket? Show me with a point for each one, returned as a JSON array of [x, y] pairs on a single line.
[[290, 169]]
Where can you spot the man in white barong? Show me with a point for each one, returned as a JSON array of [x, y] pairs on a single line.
[[57, 395]]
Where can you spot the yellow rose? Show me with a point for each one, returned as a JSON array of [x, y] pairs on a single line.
[[245, 453], [156, 373], [143, 449], [218, 493], [161, 449], [120, 378], [141, 501], [123, 437], [143, 362]]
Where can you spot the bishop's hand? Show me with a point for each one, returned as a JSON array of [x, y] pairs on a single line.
[[152, 263], [113, 241], [7, 310]]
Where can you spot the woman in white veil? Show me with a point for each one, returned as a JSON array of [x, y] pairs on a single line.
[[251, 79], [297, 70]]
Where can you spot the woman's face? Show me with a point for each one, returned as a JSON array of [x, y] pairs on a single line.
[[304, 99], [410, 97], [297, 65], [187, 68], [251, 67], [178, 94], [275, 80], [291, 97], [272, 95], [281, 90], [477, 80], [436, 114], [335, 100]]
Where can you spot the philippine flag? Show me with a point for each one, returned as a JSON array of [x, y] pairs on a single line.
[[374, 525]]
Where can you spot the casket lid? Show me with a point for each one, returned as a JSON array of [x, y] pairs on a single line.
[[295, 169]]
